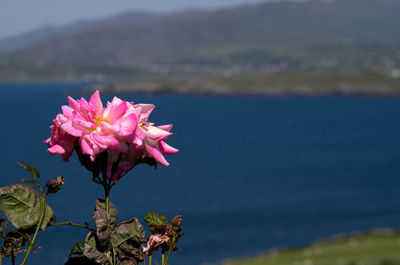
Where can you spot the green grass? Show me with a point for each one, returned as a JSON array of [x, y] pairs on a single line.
[[290, 83], [312, 83], [365, 249]]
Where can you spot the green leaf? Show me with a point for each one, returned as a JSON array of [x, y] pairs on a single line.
[[91, 251], [128, 231], [105, 222], [33, 181], [155, 219], [77, 249], [130, 251], [31, 170], [76, 256], [21, 204], [101, 204], [127, 238]]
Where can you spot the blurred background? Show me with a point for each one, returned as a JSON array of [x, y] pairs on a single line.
[[285, 114]]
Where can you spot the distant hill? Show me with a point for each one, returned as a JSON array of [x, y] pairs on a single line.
[[23, 40], [314, 36]]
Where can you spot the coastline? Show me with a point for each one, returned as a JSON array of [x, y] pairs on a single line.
[[376, 246], [261, 84], [246, 84]]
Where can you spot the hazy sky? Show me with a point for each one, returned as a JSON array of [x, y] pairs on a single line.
[[17, 16]]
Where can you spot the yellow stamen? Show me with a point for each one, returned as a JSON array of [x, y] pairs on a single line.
[[98, 121]]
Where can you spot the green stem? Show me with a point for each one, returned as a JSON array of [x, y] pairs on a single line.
[[113, 249], [107, 195], [150, 258], [74, 224], [162, 257], [169, 250], [107, 188], [39, 225]]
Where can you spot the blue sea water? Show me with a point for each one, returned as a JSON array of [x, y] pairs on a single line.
[[253, 173]]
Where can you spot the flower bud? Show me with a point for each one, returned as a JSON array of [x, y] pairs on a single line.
[[177, 220], [54, 185], [169, 230]]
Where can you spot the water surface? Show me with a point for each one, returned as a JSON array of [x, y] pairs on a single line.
[[252, 173]]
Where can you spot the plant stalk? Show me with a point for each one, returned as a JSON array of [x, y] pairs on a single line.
[[39, 225], [108, 203], [76, 225], [113, 250], [169, 250], [106, 193], [107, 188]]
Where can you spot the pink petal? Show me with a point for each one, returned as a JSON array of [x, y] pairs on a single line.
[[156, 133], [84, 108], [67, 127], [96, 106], [116, 111], [134, 153], [146, 110], [137, 141], [83, 125], [119, 147], [86, 145], [128, 125], [56, 149], [156, 154], [67, 111], [116, 101], [108, 128], [140, 134], [47, 141], [167, 127], [166, 149], [74, 104]]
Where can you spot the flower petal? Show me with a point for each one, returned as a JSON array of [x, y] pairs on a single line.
[[166, 149], [116, 111], [84, 108], [167, 127], [67, 127], [74, 104], [146, 110], [128, 125], [156, 154], [86, 145], [156, 133], [104, 141], [107, 128], [68, 111], [56, 149], [96, 106]]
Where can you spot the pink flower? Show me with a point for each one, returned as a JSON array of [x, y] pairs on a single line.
[[99, 128], [150, 140], [60, 142], [155, 241], [121, 129]]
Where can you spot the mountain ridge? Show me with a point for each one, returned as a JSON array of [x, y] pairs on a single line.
[[312, 36], [30, 37]]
